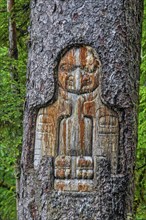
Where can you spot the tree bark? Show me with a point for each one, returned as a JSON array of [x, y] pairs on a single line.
[[110, 32]]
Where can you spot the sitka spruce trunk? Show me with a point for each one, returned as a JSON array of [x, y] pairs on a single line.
[[80, 119]]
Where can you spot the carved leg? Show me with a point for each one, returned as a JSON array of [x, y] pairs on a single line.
[[84, 167], [63, 167], [74, 173]]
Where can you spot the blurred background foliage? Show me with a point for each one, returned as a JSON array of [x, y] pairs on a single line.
[[140, 170], [11, 113], [12, 98]]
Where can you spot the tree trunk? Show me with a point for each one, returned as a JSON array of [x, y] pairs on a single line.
[[12, 30], [13, 50], [80, 122]]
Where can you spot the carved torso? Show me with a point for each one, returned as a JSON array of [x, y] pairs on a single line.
[[77, 127]]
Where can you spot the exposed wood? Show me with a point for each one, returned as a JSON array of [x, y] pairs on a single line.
[[77, 127]]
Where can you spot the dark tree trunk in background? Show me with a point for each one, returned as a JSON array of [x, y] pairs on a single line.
[[13, 51], [88, 39], [12, 30], [13, 54]]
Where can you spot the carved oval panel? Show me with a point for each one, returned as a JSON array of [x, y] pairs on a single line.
[[77, 127]]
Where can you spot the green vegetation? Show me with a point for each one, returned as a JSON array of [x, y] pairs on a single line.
[[12, 99], [140, 171]]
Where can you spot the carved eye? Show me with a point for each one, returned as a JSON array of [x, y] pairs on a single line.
[[90, 69]]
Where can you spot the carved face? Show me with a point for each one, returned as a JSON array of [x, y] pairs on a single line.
[[78, 70]]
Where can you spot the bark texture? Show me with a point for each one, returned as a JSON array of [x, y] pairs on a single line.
[[113, 29]]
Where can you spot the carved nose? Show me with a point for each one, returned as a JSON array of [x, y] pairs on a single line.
[[78, 75]]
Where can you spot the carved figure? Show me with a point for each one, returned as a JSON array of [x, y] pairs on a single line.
[[77, 127]]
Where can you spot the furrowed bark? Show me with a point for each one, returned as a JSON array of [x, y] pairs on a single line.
[[109, 33]]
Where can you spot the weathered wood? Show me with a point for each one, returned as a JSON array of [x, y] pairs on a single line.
[[80, 114], [77, 127]]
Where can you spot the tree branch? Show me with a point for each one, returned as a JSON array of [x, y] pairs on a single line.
[[141, 167], [5, 185]]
